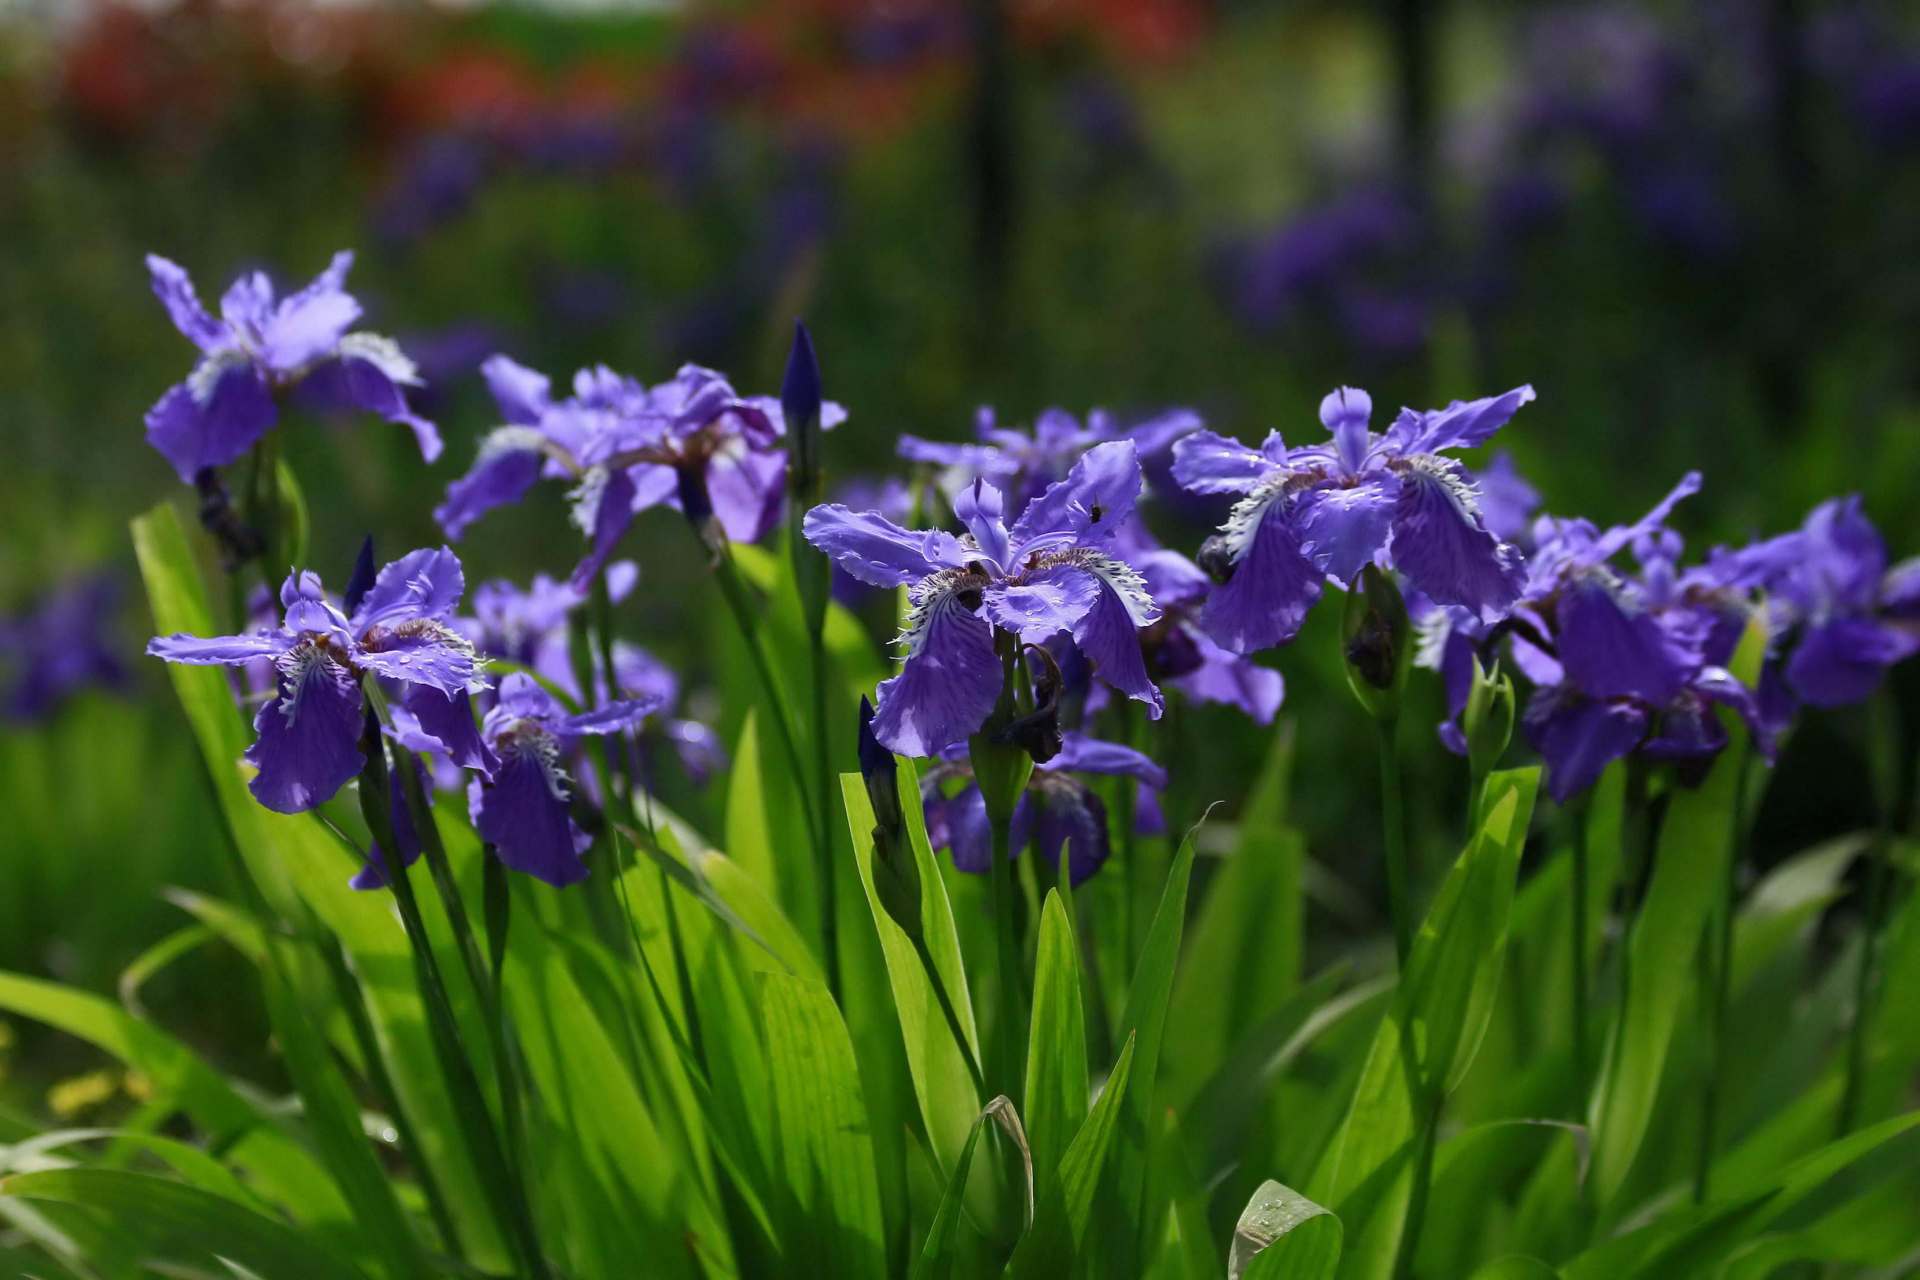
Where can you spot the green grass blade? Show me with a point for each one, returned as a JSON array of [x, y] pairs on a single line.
[[1282, 1235], [1057, 1086], [1427, 1041], [1061, 1222], [1144, 1021], [181, 1222], [936, 1258], [830, 1209]]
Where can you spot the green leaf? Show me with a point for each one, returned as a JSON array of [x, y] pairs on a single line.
[[185, 1223], [1282, 1235], [1427, 1041], [1144, 1021], [303, 871], [942, 1084], [1058, 1088], [830, 1212], [1246, 949], [1061, 1221], [1689, 877], [1516, 1267], [936, 1258], [285, 1172], [190, 1162]]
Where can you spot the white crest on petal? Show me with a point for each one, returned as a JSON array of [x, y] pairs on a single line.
[[1451, 481], [383, 353], [205, 378], [1122, 577], [1243, 522], [926, 598], [584, 498], [529, 739]]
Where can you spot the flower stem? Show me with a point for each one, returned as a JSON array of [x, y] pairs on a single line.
[[507, 1200], [727, 575], [1011, 1022], [1716, 1032], [486, 979], [1582, 1078], [945, 1000], [823, 807], [1722, 985], [1394, 829], [1884, 753]]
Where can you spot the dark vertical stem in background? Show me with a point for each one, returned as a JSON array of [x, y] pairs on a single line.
[[1883, 751], [1413, 24], [1781, 350], [990, 161], [1394, 832]]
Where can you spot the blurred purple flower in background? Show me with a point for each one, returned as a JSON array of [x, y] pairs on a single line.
[[62, 644], [521, 807], [260, 347], [1056, 812]]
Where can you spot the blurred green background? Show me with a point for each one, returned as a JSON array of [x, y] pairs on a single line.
[[1691, 226]]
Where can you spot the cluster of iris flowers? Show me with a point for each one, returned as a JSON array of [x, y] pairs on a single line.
[[1045, 598]]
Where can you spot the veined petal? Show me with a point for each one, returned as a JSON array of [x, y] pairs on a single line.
[[611, 718], [366, 374], [603, 505], [431, 720], [980, 509], [373, 875], [213, 418], [426, 583], [1442, 546], [747, 488], [1207, 462], [508, 463], [1618, 538], [174, 288], [420, 651], [220, 651], [1070, 818], [967, 836], [1227, 678], [1094, 500], [309, 736], [1043, 603], [1343, 528], [1273, 585], [1109, 633], [523, 814], [522, 394], [1080, 754], [1843, 661], [1461, 425], [1610, 651], [877, 551], [308, 325], [950, 679], [1579, 737]]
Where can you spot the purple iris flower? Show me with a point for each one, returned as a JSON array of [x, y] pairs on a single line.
[[1178, 649], [309, 733], [1057, 811], [1023, 463], [64, 644], [521, 807], [691, 442], [1325, 511], [1057, 569], [1508, 503], [1848, 616], [262, 346], [1627, 663], [529, 626]]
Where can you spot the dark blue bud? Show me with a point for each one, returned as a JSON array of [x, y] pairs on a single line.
[[363, 574], [800, 405]]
